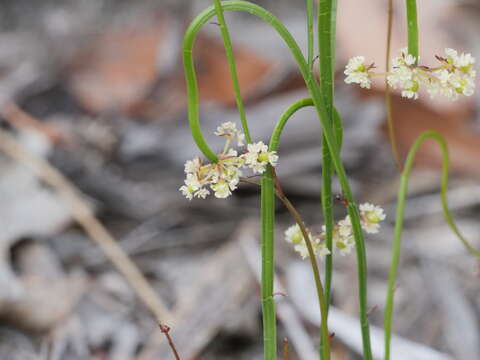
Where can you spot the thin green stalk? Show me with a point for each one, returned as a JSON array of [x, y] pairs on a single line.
[[316, 272], [402, 195], [412, 25], [268, 264], [322, 299], [227, 43], [388, 95], [310, 39], [328, 129], [326, 43], [325, 336]]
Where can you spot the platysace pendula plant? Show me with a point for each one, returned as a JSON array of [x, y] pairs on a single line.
[[453, 76], [343, 240], [223, 176]]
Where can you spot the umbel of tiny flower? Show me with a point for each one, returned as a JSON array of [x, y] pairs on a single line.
[[343, 240], [294, 236], [454, 75], [223, 176]]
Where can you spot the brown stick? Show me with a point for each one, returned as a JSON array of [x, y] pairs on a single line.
[[285, 348], [166, 330]]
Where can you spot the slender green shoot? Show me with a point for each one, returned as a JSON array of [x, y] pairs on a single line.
[[227, 43], [402, 195], [326, 44], [268, 264], [310, 35], [412, 26]]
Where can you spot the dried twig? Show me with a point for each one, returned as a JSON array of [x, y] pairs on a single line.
[[285, 349], [20, 119], [166, 330], [82, 213]]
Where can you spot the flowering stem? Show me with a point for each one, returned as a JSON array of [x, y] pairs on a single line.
[[328, 129], [412, 25], [402, 194], [227, 43]]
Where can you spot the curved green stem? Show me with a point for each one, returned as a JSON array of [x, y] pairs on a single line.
[[402, 194], [227, 43], [412, 25], [328, 130]]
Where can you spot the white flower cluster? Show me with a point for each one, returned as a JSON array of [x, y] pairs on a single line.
[[294, 236], [223, 176], [343, 240], [454, 75], [357, 72]]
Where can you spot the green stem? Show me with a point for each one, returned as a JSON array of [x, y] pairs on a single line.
[[328, 129], [268, 264], [322, 299], [326, 44], [310, 40], [227, 43], [412, 25], [325, 336], [402, 195]]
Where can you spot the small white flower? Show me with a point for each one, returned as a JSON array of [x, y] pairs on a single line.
[[258, 157], [221, 189], [187, 192], [229, 130], [371, 215], [302, 250], [344, 245], [191, 187], [322, 250], [293, 234], [452, 55], [192, 166], [202, 193], [357, 72], [345, 227]]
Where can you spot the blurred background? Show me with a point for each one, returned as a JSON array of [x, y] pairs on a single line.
[[96, 87]]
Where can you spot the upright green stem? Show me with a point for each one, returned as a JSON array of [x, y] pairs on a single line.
[[325, 336], [402, 195], [329, 134], [268, 264], [326, 45], [412, 25], [227, 43], [322, 299], [310, 39]]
